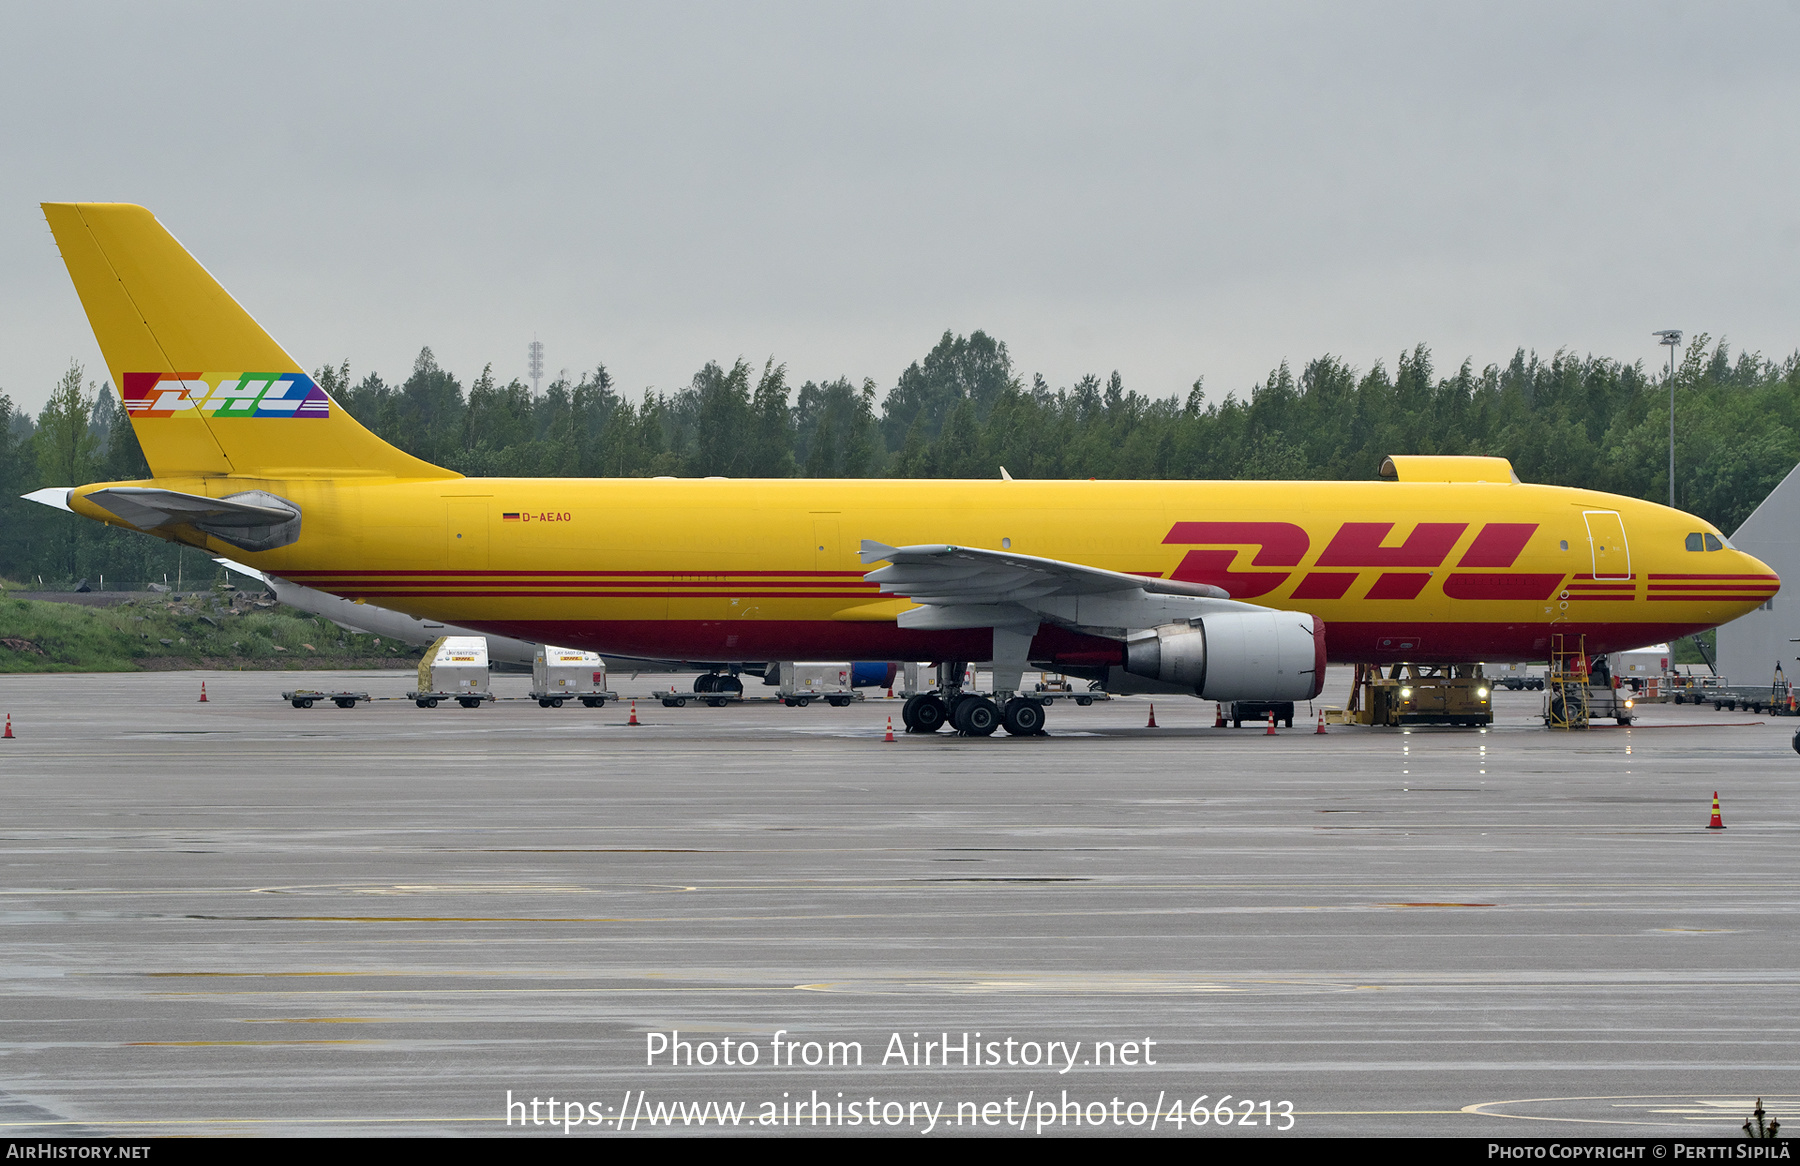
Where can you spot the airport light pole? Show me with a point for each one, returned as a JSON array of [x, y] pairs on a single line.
[[1671, 337]]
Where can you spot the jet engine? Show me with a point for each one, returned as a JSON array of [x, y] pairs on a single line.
[[1260, 655]]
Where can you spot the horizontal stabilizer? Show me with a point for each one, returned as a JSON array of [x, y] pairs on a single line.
[[253, 520]]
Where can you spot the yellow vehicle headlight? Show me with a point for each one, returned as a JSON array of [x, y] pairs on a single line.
[[1482, 693], [1406, 694]]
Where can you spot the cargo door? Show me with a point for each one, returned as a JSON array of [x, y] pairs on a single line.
[[466, 534], [1606, 538], [825, 541]]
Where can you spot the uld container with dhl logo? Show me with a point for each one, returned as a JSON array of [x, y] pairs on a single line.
[[454, 668], [559, 674]]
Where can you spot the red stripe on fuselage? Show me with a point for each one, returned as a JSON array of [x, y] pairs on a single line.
[[1346, 642], [297, 576]]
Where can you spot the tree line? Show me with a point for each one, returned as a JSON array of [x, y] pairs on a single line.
[[963, 411]]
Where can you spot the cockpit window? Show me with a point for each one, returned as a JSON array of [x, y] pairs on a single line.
[[1713, 543], [1706, 541], [1694, 542]]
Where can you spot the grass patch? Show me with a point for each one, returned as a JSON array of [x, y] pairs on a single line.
[[217, 630]]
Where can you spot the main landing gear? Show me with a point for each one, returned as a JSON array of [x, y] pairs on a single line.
[[716, 688], [971, 714]]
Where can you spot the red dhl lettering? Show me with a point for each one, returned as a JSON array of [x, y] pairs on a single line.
[[1359, 545], [1279, 544]]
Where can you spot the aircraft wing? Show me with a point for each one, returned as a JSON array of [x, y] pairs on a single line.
[[368, 619], [970, 587]]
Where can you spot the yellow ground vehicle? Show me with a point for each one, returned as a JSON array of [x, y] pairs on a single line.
[[1423, 694]]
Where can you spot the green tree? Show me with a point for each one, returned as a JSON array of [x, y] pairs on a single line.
[[975, 368]]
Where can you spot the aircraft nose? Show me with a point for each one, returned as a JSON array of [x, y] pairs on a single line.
[[1750, 565]]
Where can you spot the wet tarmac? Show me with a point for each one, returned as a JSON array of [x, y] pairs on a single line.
[[243, 918]]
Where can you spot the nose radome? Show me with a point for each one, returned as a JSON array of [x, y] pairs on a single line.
[[1751, 565]]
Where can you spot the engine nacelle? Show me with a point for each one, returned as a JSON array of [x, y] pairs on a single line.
[[1253, 655]]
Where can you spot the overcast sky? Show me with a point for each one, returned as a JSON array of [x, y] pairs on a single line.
[[1167, 190]]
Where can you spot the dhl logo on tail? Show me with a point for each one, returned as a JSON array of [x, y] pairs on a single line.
[[223, 394]]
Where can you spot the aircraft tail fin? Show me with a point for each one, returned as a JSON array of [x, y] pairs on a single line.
[[208, 391]]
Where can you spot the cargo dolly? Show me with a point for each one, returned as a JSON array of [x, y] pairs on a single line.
[[469, 700], [302, 698]]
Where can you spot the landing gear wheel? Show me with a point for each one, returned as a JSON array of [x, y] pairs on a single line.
[[930, 714], [976, 716], [728, 684], [706, 682], [1022, 718], [906, 713]]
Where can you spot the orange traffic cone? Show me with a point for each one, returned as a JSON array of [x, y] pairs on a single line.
[[1218, 716], [1717, 822], [202, 699], [633, 719], [1320, 731], [7, 736], [890, 697], [1152, 723], [1271, 731], [890, 733]]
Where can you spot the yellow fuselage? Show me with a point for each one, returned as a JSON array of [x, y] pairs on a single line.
[[729, 570]]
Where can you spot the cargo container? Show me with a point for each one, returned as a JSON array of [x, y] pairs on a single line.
[[1515, 677], [559, 674], [1641, 664], [803, 682], [454, 668]]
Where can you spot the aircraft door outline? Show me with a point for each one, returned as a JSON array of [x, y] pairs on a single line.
[[1607, 544], [827, 554], [466, 533]]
